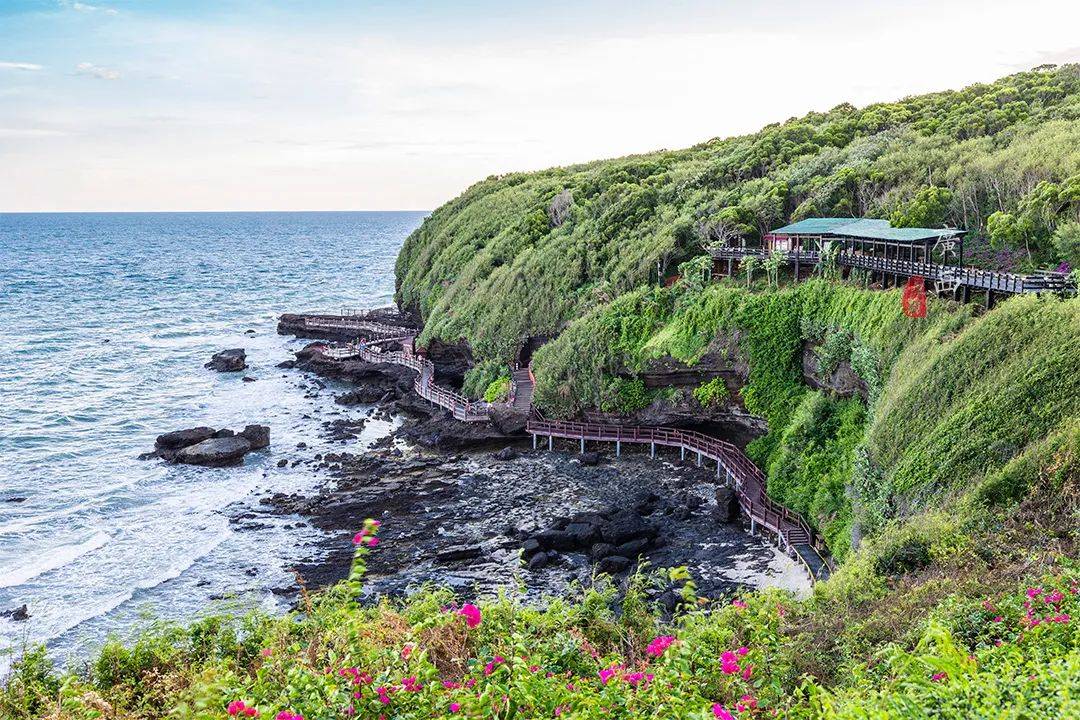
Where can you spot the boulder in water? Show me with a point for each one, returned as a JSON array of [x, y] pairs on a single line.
[[233, 360], [215, 452], [257, 435]]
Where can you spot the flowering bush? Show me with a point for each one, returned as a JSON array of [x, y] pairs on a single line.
[[429, 657]]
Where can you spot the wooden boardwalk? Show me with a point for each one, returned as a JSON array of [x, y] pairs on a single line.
[[791, 529], [946, 279]]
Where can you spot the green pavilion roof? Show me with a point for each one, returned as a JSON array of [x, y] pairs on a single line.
[[870, 228]]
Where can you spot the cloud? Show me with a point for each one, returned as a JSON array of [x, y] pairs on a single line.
[[28, 133], [87, 8], [20, 66], [97, 71]]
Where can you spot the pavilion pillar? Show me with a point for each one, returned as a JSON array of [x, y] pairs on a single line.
[[965, 293], [730, 262], [989, 299]]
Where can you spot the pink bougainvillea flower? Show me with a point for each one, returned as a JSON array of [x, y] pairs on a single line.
[[266, 652], [939, 676], [251, 712], [746, 702], [606, 674], [1034, 592], [450, 685], [534, 668], [659, 644], [236, 706], [454, 707], [472, 614], [358, 538], [747, 672], [738, 603], [371, 541], [720, 712], [743, 650], [998, 619], [729, 664], [407, 650], [1054, 598]]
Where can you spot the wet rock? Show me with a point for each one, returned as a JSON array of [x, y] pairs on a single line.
[[631, 549], [282, 462], [601, 550], [215, 452], [16, 499], [248, 378], [19, 614], [590, 458], [182, 438], [286, 364], [556, 540], [613, 564], [727, 505], [233, 360], [625, 526], [257, 435], [538, 561], [582, 533], [223, 433], [460, 552], [507, 453], [530, 547]]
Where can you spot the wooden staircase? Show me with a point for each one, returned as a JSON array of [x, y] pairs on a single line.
[[522, 390]]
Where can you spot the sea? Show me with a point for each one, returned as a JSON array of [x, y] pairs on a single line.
[[106, 320]]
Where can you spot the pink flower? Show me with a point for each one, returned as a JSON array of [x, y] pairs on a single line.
[[1054, 598], [938, 677], [534, 668], [720, 712], [743, 650], [384, 696], [266, 652], [606, 674], [454, 707], [747, 672], [998, 619], [371, 541], [251, 712], [1034, 592], [746, 702], [406, 651], [659, 644], [235, 707], [358, 538], [450, 685], [728, 663], [472, 614], [739, 604]]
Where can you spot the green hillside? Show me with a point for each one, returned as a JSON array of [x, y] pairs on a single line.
[[520, 254]]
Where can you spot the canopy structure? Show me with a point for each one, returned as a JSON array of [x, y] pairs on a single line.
[[871, 237]]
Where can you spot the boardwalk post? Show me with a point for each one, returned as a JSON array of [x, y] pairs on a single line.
[[718, 468], [618, 447], [682, 452], [534, 441], [652, 450], [699, 458], [582, 444], [549, 443], [752, 526]]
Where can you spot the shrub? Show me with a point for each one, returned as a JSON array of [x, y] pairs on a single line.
[[624, 395], [498, 390], [712, 393]]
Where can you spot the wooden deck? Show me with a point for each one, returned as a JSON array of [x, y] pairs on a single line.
[[949, 279]]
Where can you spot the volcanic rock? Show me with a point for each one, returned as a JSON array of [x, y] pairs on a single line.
[[257, 435], [613, 564], [215, 452], [19, 614], [233, 360]]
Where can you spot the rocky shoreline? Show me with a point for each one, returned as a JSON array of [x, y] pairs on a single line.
[[473, 507]]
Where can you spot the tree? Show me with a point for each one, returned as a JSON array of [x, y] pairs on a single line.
[[1066, 242], [750, 266], [928, 208], [773, 263]]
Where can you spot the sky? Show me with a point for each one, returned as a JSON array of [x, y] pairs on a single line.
[[185, 105]]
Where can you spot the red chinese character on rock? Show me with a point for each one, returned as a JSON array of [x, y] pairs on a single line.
[[915, 297]]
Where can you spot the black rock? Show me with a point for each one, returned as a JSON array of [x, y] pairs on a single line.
[[632, 549], [556, 540], [282, 462], [248, 378], [257, 435], [590, 458], [507, 453], [625, 526], [583, 533], [601, 550], [215, 452], [460, 552], [681, 513], [183, 438], [16, 499], [233, 360], [287, 364], [538, 561], [613, 564], [530, 547], [223, 433], [19, 614], [727, 505]]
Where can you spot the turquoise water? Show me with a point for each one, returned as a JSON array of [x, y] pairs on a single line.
[[107, 321]]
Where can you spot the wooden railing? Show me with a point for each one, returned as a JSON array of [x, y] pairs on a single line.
[[352, 324], [947, 275], [749, 481]]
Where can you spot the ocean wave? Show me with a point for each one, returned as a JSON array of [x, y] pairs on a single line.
[[53, 559]]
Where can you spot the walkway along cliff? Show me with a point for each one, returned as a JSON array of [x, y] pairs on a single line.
[[794, 534]]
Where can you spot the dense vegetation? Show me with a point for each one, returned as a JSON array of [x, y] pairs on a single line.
[[1013, 651], [521, 254]]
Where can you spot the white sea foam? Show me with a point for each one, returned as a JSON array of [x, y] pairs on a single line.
[[51, 560]]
